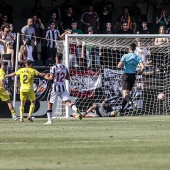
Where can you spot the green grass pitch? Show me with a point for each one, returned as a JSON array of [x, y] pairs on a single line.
[[121, 143]]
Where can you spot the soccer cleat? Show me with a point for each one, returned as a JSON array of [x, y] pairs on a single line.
[[48, 123], [135, 109], [30, 119], [21, 120], [79, 114], [15, 118]]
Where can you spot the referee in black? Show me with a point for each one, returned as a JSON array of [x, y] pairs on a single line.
[[130, 62]]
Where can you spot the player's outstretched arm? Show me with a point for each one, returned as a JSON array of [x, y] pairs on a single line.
[[142, 68], [41, 74], [120, 64], [49, 76], [10, 75]]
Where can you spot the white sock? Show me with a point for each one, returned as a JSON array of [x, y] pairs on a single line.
[[73, 106], [49, 115]]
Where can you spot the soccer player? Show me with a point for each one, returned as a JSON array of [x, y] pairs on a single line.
[[26, 75], [103, 110], [130, 62], [58, 74], [4, 94]]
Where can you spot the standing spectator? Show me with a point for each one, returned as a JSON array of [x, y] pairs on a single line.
[[108, 29], [130, 62], [28, 31], [67, 19], [126, 18], [90, 19], [164, 3], [56, 9], [108, 8], [146, 9], [52, 36], [53, 19], [125, 29], [144, 29], [74, 28], [162, 19], [38, 27], [38, 9]]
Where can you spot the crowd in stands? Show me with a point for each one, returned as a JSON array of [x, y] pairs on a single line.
[[67, 19]]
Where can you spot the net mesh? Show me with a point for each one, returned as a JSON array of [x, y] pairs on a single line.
[[95, 77]]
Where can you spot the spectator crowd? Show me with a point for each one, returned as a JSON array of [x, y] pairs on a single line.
[[68, 19]]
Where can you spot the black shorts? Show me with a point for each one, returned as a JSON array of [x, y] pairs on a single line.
[[128, 80]]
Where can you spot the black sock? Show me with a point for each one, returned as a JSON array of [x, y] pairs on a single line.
[[124, 102], [129, 100]]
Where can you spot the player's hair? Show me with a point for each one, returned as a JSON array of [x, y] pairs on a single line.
[[132, 47], [59, 56], [28, 62]]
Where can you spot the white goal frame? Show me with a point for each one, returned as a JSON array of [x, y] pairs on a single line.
[[68, 36]]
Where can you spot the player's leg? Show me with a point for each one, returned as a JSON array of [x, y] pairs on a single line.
[[31, 96], [5, 97], [49, 113], [23, 98], [66, 98], [51, 100]]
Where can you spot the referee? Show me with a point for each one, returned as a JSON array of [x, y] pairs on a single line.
[[130, 62]]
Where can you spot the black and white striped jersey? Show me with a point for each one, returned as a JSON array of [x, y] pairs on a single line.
[[52, 36], [60, 72]]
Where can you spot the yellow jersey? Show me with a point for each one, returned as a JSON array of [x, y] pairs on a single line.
[[26, 78], [2, 76]]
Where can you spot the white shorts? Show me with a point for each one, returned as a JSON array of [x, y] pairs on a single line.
[[53, 94]]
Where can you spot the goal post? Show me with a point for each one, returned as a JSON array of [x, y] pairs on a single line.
[[92, 61]]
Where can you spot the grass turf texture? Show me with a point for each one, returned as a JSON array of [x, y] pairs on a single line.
[[130, 143]]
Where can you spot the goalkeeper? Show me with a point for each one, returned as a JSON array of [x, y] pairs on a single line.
[[102, 110]]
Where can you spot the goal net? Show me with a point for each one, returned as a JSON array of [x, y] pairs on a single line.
[[93, 59]]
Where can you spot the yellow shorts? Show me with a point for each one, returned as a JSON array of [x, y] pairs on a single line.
[[31, 96], [3, 95]]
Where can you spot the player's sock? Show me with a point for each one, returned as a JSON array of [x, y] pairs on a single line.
[[129, 100], [73, 106], [13, 112], [49, 115], [124, 102], [32, 107], [21, 112]]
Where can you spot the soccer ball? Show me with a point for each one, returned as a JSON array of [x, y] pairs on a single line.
[[161, 96]]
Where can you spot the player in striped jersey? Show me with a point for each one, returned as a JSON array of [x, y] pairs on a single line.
[[58, 73], [4, 94]]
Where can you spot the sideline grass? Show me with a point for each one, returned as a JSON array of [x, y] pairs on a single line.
[[131, 143]]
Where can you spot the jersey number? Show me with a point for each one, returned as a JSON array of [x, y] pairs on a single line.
[[60, 77], [25, 78]]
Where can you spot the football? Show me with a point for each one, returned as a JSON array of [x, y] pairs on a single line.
[[161, 96]]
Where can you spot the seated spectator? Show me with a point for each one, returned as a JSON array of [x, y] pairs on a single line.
[[162, 19], [144, 29], [102, 110], [13, 34], [125, 29], [126, 18], [52, 36], [25, 52], [4, 20], [161, 41], [108, 29], [74, 28]]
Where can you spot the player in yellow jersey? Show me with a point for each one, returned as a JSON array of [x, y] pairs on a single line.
[[26, 75], [4, 94]]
